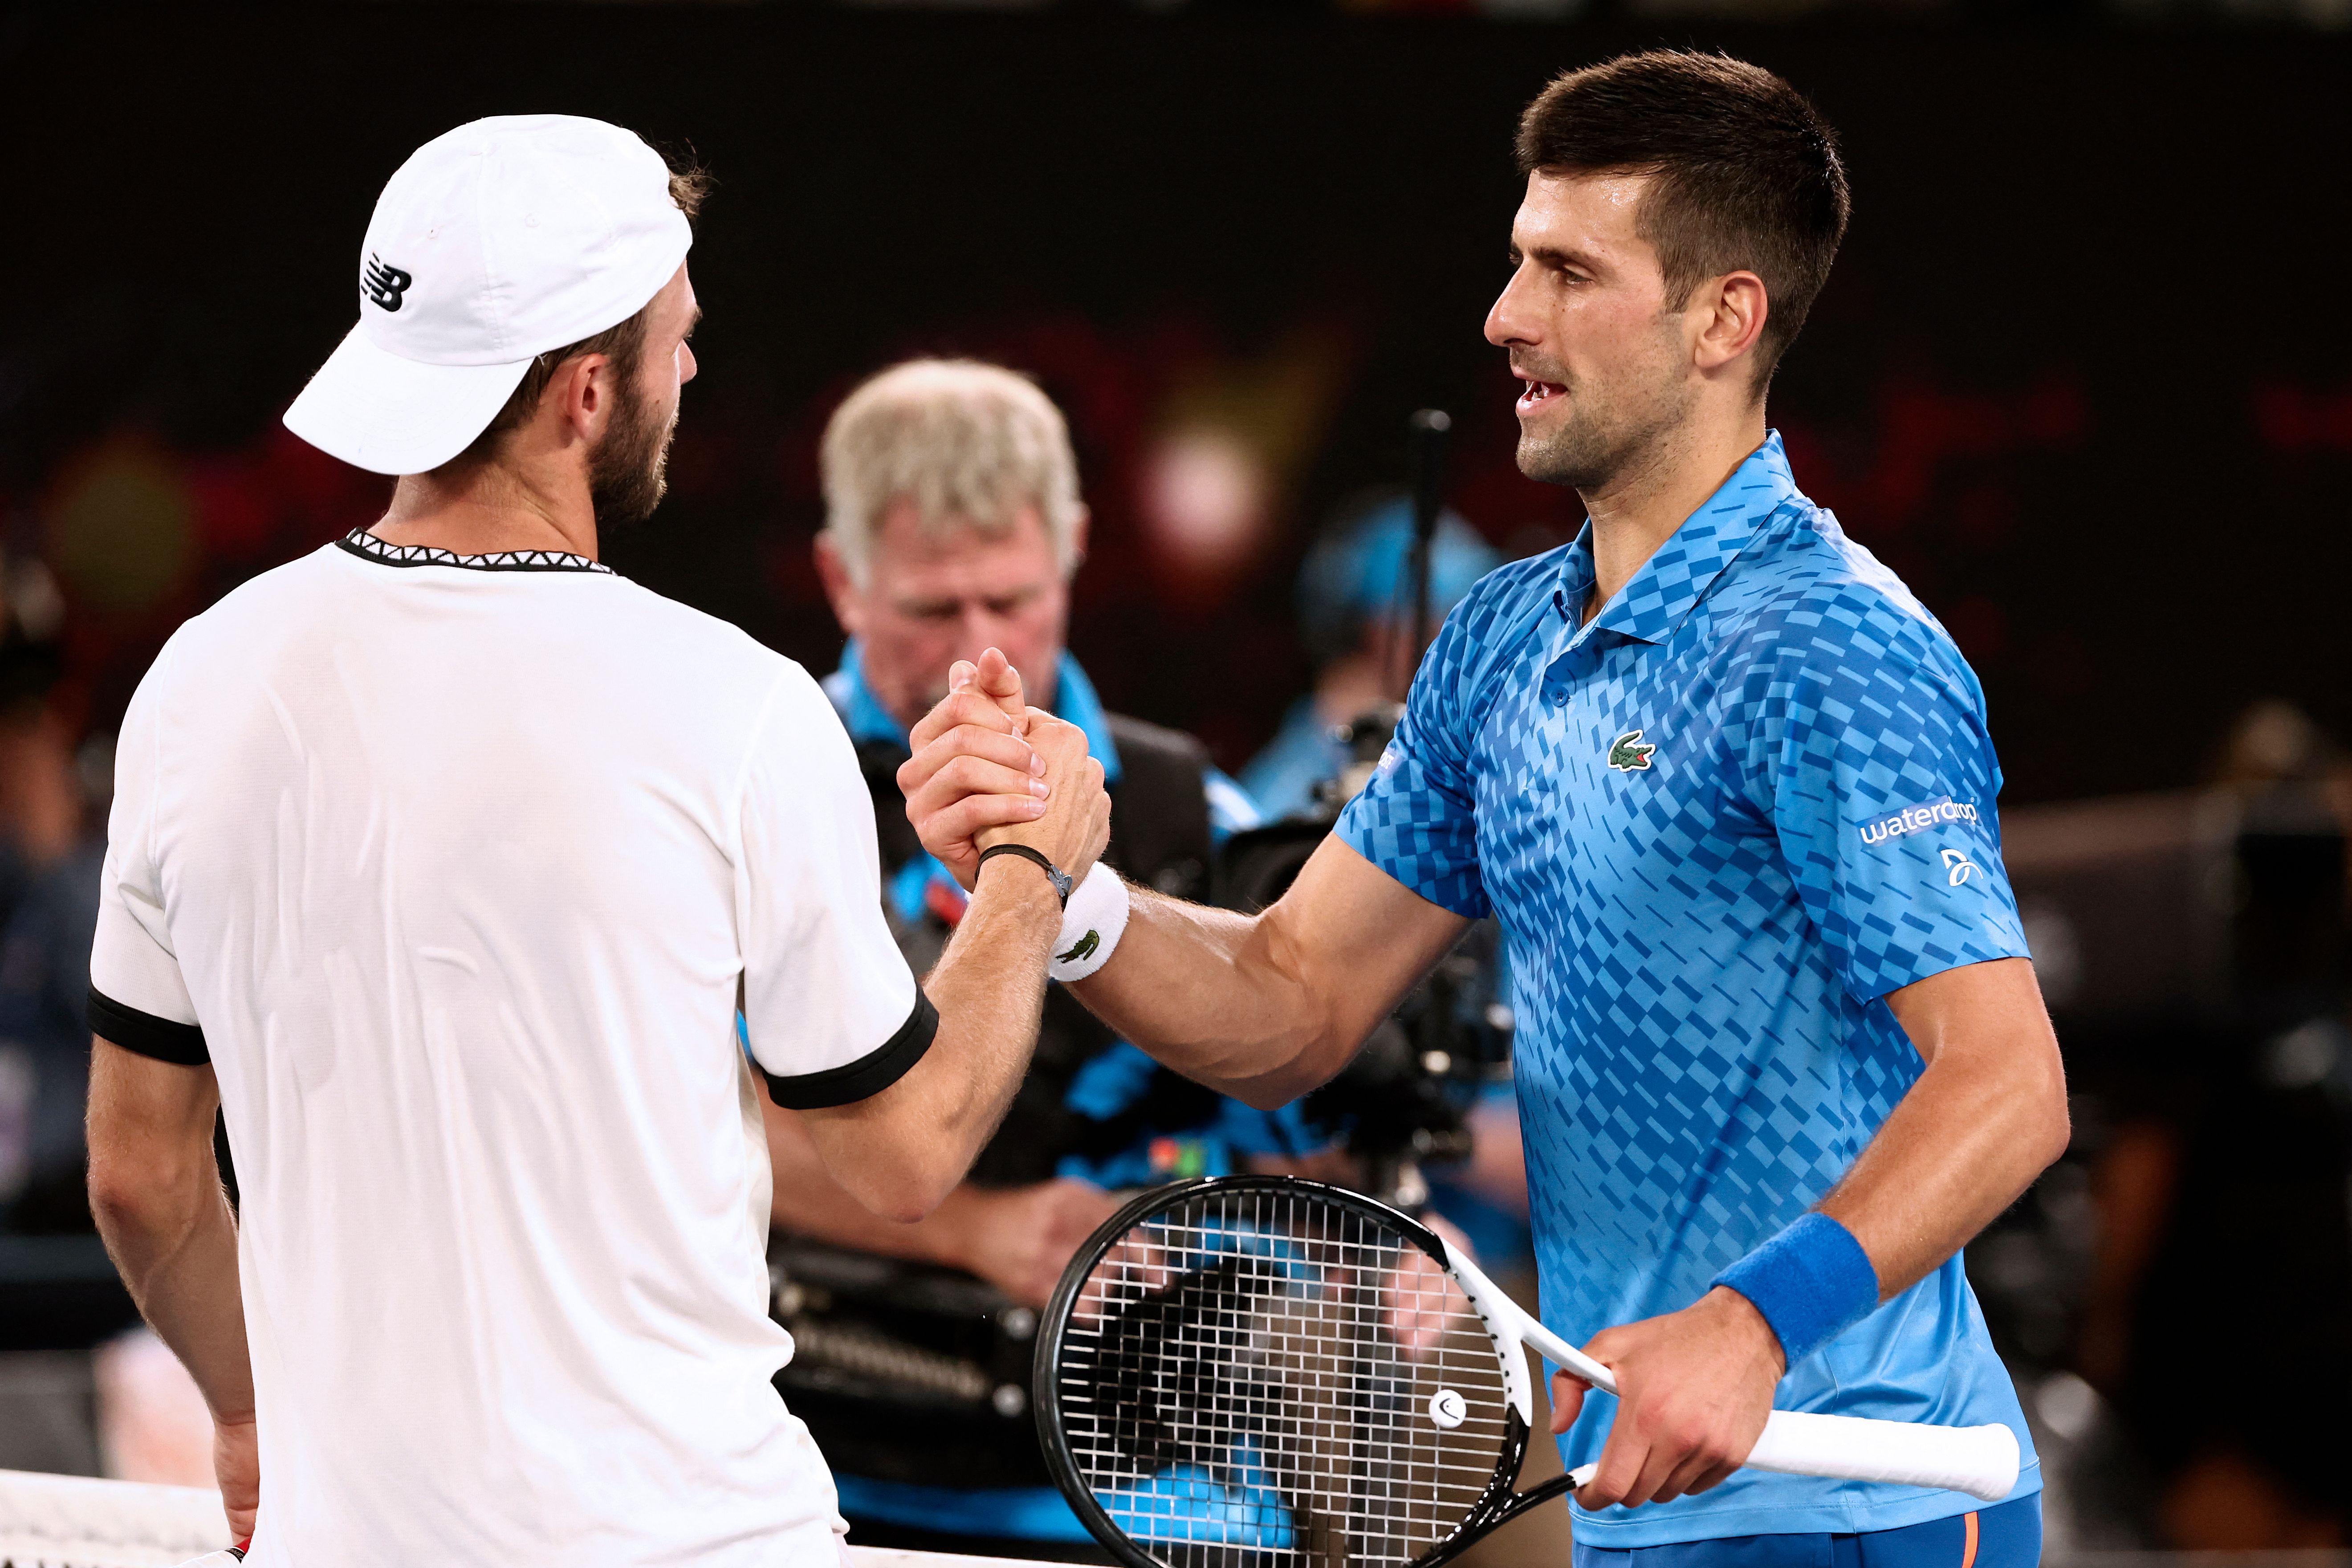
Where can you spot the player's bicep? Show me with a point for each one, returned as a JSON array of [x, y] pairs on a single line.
[[832, 1014], [150, 1120], [1991, 1010], [1356, 938], [1883, 791], [139, 999]]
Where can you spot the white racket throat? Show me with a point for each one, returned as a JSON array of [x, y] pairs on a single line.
[[1513, 1327], [1982, 1462]]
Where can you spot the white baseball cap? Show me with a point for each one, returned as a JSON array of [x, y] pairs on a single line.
[[492, 244]]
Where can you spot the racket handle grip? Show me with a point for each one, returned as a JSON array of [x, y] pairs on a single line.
[[1981, 1461]]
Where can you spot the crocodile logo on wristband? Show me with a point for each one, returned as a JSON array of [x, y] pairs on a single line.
[[1080, 950]]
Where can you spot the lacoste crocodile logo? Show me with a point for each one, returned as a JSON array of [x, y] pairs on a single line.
[[1629, 754], [1080, 950]]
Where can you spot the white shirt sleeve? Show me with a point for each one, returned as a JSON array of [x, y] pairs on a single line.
[[831, 1011], [137, 999]]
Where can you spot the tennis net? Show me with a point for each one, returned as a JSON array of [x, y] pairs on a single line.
[[70, 1521]]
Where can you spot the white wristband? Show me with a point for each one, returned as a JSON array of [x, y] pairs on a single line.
[[1092, 923]]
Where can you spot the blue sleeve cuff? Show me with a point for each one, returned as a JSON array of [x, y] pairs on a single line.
[[1811, 1283], [1449, 882]]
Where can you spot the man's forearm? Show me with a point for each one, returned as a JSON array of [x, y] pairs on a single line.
[[1205, 991], [810, 1202], [990, 988], [174, 1244], [899, 1152], [1985, 1118], [1264, 1007]]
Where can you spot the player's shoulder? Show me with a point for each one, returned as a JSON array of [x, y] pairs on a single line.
[[265, 592], [1496, 615], [683, 633], [1812, 594], [695, 645], [1511, 592], [264, 606]]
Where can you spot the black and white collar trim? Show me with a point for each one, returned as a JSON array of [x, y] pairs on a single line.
[[360, 542]]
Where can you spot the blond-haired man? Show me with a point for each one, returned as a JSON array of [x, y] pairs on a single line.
[[954, 523]]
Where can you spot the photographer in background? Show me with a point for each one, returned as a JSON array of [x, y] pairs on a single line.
[[1356, 617], [954, 524], [1355, 613]]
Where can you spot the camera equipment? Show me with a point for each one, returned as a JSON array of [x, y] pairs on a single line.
[[1405, 1098]]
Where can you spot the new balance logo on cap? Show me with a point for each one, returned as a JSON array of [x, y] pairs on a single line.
[[512, 236], [384, 285]]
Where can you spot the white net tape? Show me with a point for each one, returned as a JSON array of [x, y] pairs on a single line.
[[68, 1522]]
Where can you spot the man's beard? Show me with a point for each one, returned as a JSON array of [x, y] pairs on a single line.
[[628, 473], [1604, 434]]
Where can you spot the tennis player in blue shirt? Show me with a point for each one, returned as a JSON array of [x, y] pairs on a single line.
[[1728, 789]]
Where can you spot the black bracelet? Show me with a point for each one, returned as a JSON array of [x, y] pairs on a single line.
[[1053, 872]]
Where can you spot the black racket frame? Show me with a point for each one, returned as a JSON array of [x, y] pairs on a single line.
[[1497, 1505]]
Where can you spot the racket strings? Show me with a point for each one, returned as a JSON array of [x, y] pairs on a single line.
[[1255, 1376]]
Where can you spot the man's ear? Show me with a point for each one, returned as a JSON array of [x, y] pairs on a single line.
[[1730, 316], [840, 591], [579, 398], [1078, 529]]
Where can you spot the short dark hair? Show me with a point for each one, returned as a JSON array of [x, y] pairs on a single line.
[[1745, 173], [624, 344]]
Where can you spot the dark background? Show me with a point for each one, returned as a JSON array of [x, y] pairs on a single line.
[[2078, 374], [2078, 377]]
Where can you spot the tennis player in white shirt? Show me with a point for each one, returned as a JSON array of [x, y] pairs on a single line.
[[441, 860]]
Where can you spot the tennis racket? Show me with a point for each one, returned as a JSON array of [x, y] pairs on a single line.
[[1253, 1370]]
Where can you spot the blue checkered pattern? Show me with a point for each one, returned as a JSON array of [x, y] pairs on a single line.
[[1718, 824]]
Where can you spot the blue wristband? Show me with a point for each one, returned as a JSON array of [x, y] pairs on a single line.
[[1811, 1282]]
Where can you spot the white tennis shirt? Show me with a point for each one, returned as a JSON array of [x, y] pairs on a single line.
[[454, 865]]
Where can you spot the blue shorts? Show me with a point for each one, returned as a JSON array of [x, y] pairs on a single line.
[[2009, 1536]]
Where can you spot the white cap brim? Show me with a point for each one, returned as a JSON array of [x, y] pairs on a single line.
[[393, 416]]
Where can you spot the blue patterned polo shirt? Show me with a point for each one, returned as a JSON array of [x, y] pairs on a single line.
[[1718, 823]]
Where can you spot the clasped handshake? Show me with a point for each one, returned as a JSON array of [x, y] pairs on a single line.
[[988, 769]]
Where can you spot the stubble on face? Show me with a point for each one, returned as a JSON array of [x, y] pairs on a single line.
[[1586, 324], [628, 473], [1599, 427]]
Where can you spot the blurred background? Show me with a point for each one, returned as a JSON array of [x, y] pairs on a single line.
[[2078, 377]]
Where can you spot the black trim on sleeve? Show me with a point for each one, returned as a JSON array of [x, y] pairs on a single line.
[[869, 1075], [146, 1034]]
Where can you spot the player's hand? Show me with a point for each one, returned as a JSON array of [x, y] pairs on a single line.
[[1693, 1386], [1020, 1239], [236, 1466], [973, 767], [1075, 825]]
